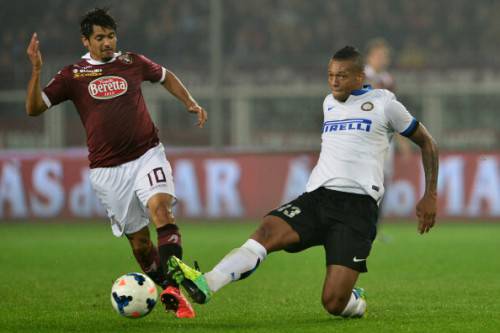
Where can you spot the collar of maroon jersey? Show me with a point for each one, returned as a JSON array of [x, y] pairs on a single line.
[[92, 61]]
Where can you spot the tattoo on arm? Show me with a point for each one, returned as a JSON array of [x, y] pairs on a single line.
[[430, 157], [431, 167]]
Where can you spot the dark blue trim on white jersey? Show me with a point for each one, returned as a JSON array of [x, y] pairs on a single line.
[[359, 92], [410, 129]]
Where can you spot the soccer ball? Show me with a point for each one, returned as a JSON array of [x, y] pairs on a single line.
[[134, 295]]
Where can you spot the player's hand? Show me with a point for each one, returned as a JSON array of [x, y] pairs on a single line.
[[34, 54], [202, 114], [426, 212]]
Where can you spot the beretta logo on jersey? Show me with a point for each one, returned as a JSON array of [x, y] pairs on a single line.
[[108, 87]]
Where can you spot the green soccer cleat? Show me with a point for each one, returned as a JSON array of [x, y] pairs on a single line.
[[192, 280], [360, 293]]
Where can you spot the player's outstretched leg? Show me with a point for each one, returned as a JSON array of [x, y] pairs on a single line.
[[169, 245], [236, 265], [272, 235], [191, 279]]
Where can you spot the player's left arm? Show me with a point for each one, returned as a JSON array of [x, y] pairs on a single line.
[[427, 206], [174, 85]]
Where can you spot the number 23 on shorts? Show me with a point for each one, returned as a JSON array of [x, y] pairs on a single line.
[[289, 210]]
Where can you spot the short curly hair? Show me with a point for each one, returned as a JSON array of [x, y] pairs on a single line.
[[99, 17], [350, 53]]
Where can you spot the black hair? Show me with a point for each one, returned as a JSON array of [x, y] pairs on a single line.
[[99, 17], [350, 53]]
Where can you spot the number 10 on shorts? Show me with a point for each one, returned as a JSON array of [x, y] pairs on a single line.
[[157, 176], [289, 210]]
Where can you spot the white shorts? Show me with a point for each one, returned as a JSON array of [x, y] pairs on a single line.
[[124, 190]]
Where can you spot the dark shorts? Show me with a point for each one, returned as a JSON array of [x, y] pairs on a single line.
[[344, 223]]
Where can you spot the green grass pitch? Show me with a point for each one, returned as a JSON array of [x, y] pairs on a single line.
[[57, 278]]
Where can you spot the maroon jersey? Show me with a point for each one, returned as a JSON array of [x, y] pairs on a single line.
[[109, 99], [379, 80]]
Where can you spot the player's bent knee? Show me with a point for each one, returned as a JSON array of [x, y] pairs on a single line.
[[334, 305], [160, 209], [333, 308], [162, 214]]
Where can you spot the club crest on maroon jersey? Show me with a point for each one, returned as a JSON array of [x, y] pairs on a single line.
[[126, 58], [108, 87]]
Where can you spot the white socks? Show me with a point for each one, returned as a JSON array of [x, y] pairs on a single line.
[[355, 307], [236, 265], [241, 262]]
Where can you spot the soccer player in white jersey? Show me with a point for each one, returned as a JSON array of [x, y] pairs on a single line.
[[378, 59], [339, 208]]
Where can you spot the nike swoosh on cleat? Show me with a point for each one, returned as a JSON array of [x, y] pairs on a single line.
[[358, 260]]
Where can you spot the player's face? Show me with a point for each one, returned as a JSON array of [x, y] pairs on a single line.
[[101, 44], [343, 78]]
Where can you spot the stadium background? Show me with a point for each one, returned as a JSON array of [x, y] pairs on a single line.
[[259, 68]]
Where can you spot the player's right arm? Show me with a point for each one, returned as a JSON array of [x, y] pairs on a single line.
[[427, 206], [403, 123], [34, 101]]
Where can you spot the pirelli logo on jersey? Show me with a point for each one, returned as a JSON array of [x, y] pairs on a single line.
[[108, 87], [356, 124]]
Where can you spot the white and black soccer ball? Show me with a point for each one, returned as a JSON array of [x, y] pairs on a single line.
[[134, 295]]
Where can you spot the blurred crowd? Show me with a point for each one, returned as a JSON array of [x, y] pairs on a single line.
[[261, 35]]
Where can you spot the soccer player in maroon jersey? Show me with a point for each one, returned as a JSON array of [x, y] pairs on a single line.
[[377, 61], [128, 168]]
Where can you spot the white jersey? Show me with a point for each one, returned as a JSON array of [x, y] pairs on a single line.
[[383, 80], [355, 141]]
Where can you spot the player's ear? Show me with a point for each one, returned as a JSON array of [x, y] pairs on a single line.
[[85, 41], [361, 77]]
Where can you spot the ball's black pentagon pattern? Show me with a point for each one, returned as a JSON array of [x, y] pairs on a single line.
[[138, 277], [122, 301]]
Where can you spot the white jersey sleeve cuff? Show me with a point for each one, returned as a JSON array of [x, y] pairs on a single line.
[[410, 129], [46, 100], [163, 74]]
